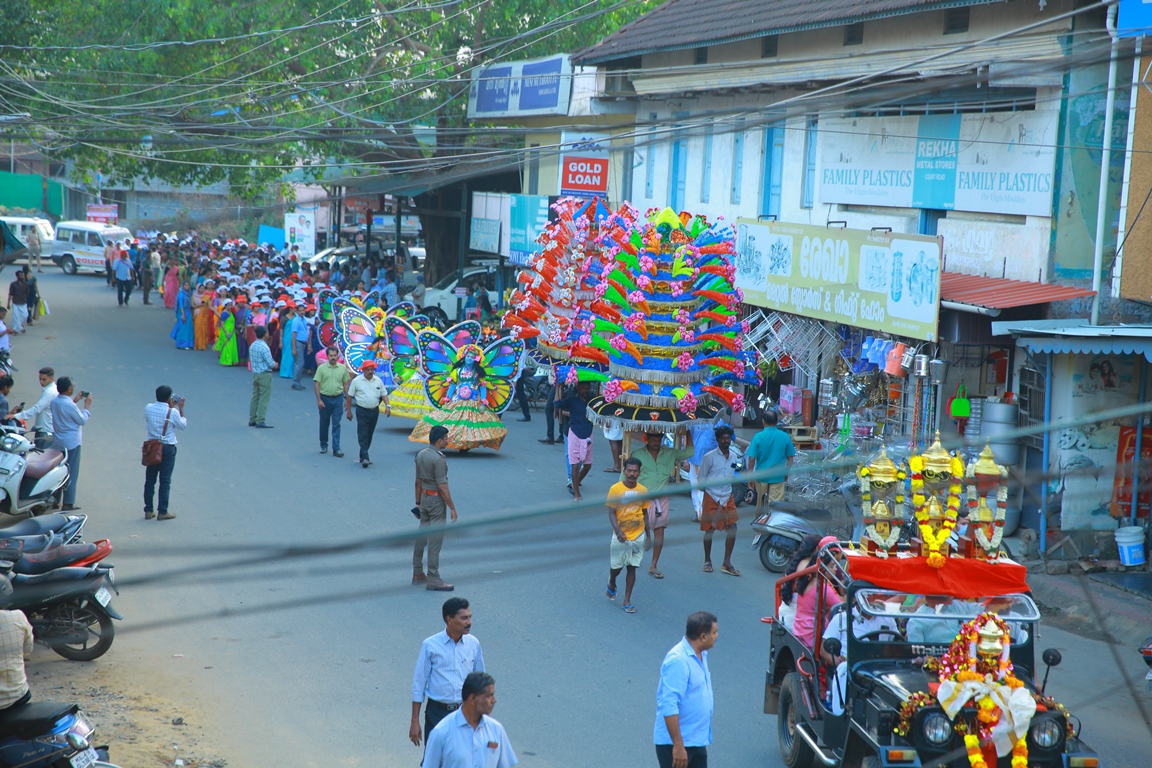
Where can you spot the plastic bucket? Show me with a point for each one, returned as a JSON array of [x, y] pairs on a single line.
[[1130, 542]]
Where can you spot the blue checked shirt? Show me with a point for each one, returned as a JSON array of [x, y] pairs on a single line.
[[260, 357], [442, 666]]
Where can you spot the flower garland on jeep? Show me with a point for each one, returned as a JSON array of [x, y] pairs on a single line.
[[935, 540]]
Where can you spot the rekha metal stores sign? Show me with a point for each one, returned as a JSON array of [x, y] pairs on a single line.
[[880, 281], [994, 163]]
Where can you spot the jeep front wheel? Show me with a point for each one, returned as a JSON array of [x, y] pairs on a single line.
[[794, 751]]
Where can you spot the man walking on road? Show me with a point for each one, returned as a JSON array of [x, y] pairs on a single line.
[[18, 302], [719, 513], [446, 660], [34, 247], [368, 393], [260, 358], [630, 531], [657, 463], [301, 347], [331, 383], [162, 418], [684, 697], [122, 269], [771, 448], [470, 736], [575, 408], [434, 501]]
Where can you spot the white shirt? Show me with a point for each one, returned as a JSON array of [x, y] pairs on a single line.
[[454, 743], [714, 467], [442, 666], [367, 393], [156, 416], [6, 339], [42, 410]]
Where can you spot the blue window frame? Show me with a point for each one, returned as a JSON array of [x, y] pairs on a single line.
[[772, 185], [678, 178], [706, 177], [811, 134], [650, 170], [737, 161]]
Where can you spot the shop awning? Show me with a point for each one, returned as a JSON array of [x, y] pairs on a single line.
[[1078, 337], [989, 295]]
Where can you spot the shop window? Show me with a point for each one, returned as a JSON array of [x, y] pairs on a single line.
[[706, 176], [772, 188], [810, 137], [650, 166], [700, 56], [956, 21], [737, 162], [1030, 396], [769, 46], [854, 33], [534, 169]]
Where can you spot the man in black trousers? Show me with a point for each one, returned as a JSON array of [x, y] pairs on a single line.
[[367, 393]]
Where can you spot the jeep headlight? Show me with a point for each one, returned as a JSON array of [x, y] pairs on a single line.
[[1046, 733], [937, 729]]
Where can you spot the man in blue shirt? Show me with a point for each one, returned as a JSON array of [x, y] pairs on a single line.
[[684, 697], [446, 660], [122, 269], [301, 346], [771, 449], [470, 737], [575, 408]]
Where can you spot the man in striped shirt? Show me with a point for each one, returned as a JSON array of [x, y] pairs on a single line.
[[260, 358]]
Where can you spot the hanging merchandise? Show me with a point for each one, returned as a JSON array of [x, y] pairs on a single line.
[[893, 365], [938, 371], [960, 407]]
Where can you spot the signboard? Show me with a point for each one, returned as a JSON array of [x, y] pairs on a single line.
[[995, 249], [300, 229], [484, 235], [517, 89], [584, 164], [881, 281], [1126, 467], [528, 219], [993, 163], [109, 213], [409, 225], [1134, 18], [274, 236]]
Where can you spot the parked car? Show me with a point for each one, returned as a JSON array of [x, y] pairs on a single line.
[[11, 246], [21, 224], [441, 297], [79, 245]]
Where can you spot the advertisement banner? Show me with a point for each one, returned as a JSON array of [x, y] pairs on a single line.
[[991, 163], [881, 281], [300, 229], [484, 235], [528, 220], [1126, 467], [520, 88], [109, 213], [584, 164]]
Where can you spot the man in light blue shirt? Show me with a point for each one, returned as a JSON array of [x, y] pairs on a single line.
[[771, 449], [122, 269], [299, 327], [470, 737], [445, 660], [68, 421], [684, 697]]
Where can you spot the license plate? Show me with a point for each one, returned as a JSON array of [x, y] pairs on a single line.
[[103, 596], [84, 759]]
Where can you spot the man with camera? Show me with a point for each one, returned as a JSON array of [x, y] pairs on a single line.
[[68, 420], [162, 418]]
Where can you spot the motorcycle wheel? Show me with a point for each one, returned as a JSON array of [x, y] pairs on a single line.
[[773, 557], [97, 643]]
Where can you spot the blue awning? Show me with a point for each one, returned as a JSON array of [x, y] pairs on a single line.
[[1098, 345]]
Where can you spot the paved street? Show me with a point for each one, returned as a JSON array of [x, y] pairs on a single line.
[[313, 664]]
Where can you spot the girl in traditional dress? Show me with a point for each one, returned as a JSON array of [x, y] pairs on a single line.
[[287, 361], [184, 331], [226, 341], [201, 318], [171, 284], [242, 314]]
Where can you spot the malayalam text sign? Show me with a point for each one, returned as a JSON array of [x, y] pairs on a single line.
[[108, 213], [516, 89], [882, 281]]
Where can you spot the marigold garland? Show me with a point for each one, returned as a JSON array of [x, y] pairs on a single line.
[[935, 540], [884, 542], [908, 710]]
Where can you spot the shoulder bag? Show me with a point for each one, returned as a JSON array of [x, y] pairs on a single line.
[[152, 452]]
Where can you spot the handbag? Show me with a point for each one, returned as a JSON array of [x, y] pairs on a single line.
[[960, 407], [152, 452]]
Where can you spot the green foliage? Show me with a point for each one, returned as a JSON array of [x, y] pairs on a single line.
[[351, 84]]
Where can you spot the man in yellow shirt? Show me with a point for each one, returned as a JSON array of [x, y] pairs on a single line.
[[630, 531]]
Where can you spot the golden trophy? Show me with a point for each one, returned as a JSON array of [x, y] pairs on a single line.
[[937, 478], [882, 502], [985, 523]]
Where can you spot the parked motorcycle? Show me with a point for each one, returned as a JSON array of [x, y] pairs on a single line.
[[66, 527], [48, 734], [31, 480], [779, 532], [56, 555], [70, 609], [1146, 652]]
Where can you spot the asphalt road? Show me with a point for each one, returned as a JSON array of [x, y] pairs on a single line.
[[306, 660]]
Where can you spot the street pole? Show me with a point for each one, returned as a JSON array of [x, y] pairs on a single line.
[[463, 248], [401, 266], [368, 236], [1105, 162]]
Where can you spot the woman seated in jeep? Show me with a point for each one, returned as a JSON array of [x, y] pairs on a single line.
[[806, 592]]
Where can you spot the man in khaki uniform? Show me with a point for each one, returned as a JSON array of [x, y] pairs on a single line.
[[435, 501], [34, 247]]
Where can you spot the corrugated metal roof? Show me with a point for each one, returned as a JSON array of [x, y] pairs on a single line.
[[998, 293], [1089, 346], [681, 24]]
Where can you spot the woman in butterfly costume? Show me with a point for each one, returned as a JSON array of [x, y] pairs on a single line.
[[470, 387]]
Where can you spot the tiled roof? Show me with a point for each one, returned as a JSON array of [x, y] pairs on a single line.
[[679, 24], [998, 293]]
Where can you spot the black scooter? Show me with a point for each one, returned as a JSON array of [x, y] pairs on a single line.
[[70, 609]]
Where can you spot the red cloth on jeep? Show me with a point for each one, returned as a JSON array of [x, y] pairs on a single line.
[[963, 578]]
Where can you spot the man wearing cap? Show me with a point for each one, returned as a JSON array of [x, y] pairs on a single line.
[[368, 393], [331, 382]]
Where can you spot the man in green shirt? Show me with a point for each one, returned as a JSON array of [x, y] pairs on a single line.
[[657, 463], [331, 383]]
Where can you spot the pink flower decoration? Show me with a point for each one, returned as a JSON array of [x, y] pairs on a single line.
[[647, 264], [619, 342], [644, 282], [738, 371], [682, 316], [585, 339], [572, 376], [677, 289], [745, 326], [684, 361], [730, 320], [601, 289], [688, 335], [636, 297], [612, 390], [465, 392], [738, 403], [633, 321], [739, 295], [688, 404]]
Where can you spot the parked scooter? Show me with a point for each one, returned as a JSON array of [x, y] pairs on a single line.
[[48, 734], [1146, 652], [67, 528], [31, 480], [70, 609], [57, 555], [780, 530]]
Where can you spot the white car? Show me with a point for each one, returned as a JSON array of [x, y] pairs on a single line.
[[21, 224], [442, 296], [79, 245]]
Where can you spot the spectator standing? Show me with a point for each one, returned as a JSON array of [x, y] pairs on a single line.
[[5, 332], [388, 290], [470, 736], [6, 384], [684, 697], [550, 408], [368, 393], [331, 383], [445, 661], [68, 420], [301, 346], [657, 463], [418, 292], [434, 502], [34, 247], [162, 418], [111, 253], [575, 408], [40, 414], [122, 269], [33, 303], [144, 272], [15, 648], [771, 449], [630, 531], [18, 302], [260, 359], [719, 509]]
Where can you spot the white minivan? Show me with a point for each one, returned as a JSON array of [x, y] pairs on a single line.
[[79, 245], [21, 224]]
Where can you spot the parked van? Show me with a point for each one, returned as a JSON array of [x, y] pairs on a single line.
[[21, 224], [79, 245]]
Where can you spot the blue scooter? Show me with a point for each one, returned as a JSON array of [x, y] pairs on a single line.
[[47, 734]]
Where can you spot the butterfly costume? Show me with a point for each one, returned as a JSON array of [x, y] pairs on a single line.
[[470, 386], [409, 400]]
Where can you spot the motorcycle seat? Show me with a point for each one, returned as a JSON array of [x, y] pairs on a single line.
[[56, 574], [41, 463], [27, 544], [36, 718], [58, 557], [35, 526]]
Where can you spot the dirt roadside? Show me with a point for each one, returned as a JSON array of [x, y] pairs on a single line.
[[139, 712]]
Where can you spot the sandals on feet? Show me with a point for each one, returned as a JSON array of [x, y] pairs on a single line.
[[707, 567], [611, 593], [729, 571], [656, 574], [629, 609]]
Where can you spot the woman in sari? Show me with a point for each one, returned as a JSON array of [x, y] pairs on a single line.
[[201, 319], [210, 304], [287, 361], [183, 332], [242, 314], [226, 341], [171, 284]]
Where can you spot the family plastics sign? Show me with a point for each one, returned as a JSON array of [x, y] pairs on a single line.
[[992, 163], [881, 281]]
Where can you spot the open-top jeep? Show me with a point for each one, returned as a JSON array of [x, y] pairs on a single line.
[[919, 667]]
